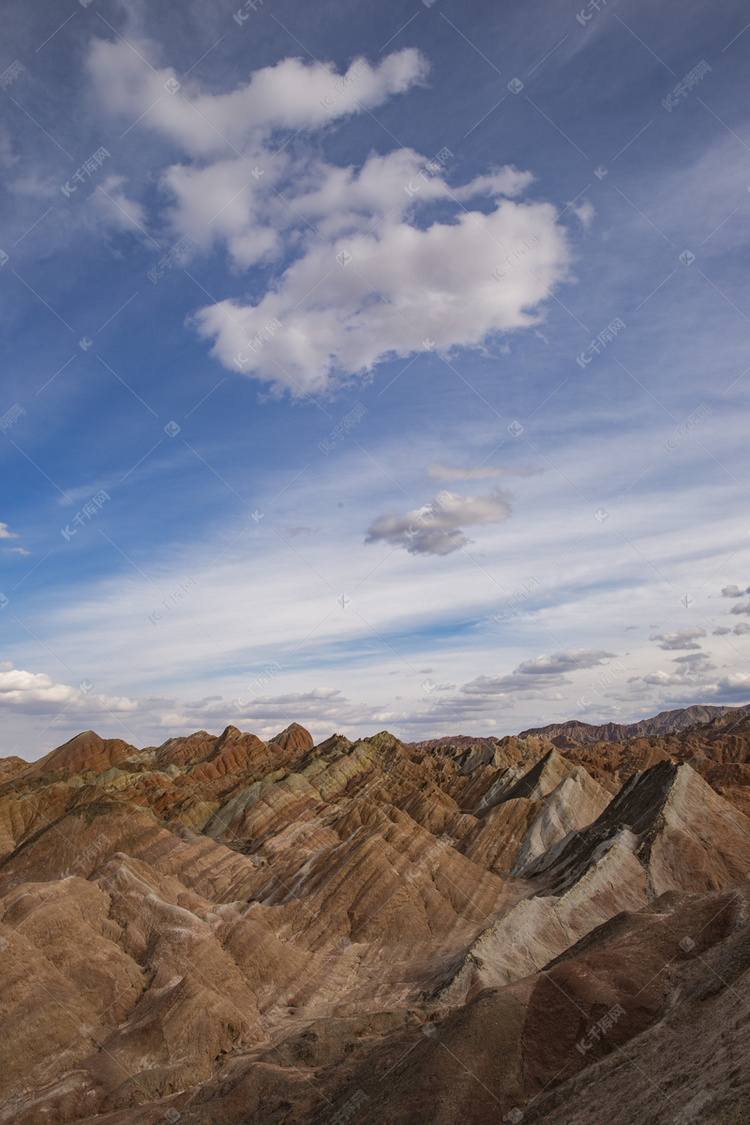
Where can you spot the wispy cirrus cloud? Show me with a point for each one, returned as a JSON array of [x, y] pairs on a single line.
[[439, 471]]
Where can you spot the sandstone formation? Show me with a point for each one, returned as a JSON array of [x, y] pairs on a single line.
[[224, 930]]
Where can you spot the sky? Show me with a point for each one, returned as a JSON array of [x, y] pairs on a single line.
[[372, 366]]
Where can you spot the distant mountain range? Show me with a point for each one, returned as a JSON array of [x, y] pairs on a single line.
[[575, 733]]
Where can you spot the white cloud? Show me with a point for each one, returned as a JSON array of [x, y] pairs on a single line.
[[37, 694], [115, 207], [585, 213], [435, 528], [666, 679], [292, 94], [732, 592], [741, 607], [5, 533], [394, 292], [681, 639], [736, 685], [366, 277]]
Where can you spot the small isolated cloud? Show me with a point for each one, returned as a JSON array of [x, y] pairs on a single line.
[[741, 607], [584, 213], [17, 551], [540, 674], [35, 693], [681, 639], [695, 662], [665, 679], [439, 471], [738, 630], [732, 592], [435, 528], [562, 662], [5, 533], [118, 211]]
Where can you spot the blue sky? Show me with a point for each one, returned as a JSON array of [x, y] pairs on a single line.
[[378, 366]]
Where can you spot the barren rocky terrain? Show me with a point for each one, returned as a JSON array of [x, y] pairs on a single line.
[[550, 928]]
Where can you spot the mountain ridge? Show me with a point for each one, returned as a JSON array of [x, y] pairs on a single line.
[[223, 929]]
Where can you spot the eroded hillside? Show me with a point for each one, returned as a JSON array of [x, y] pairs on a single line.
[[224, 930]]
